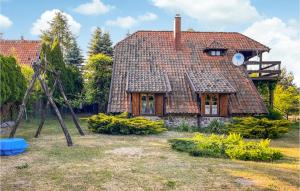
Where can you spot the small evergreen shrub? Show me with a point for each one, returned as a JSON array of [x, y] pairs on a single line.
[[215, 126], [273, 115], [232, 146], [121, 124], [254, 128]]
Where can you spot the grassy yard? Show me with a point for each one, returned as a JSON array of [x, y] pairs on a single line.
[[103, 162]]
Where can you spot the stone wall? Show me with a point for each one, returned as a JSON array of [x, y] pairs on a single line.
[[205, 121], [175, 121]]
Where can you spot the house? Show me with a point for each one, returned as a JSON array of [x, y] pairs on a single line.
[[184, 76], [25, 51]]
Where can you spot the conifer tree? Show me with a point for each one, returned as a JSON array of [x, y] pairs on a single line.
[[74, 56], [100, 43]]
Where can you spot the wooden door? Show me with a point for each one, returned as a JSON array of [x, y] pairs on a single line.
[[159, 104], [224, 105], [135, 104]]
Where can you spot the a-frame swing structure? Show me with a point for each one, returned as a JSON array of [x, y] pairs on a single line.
[[39, 69]]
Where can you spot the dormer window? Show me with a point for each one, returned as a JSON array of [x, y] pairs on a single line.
[[216, 52]]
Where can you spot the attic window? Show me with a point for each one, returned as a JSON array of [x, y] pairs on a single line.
[[216, 52]]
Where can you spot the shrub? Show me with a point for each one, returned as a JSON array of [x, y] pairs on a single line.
[[232, 146], [121, 124], [251, 127], [273, 115], [215, 126]]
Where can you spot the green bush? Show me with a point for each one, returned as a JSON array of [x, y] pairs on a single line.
[[121, 124], [273, 115], [215, 126], [233, 146], [251, 127]]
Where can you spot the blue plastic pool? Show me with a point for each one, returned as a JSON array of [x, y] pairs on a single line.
[[12, 146]]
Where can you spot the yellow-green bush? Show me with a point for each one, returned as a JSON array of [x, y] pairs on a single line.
[[251, 127], [232, 146], [121, 124]]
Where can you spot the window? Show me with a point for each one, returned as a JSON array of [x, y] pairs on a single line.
[[216, 52], [147, 104], [211, 104]]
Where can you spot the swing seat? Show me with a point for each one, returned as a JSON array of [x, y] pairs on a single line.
[[12, 146]]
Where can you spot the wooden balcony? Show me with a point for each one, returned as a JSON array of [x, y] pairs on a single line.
[[263, 70]]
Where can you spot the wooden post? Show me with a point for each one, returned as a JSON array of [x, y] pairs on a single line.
[[260, 64], [43, 112], [23, 105], [62, 124], [68, 104]]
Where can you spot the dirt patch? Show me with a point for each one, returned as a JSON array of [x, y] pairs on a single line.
[[129, 151]]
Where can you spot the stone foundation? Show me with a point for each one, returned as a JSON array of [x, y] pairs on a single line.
[[205, 121], [175, 121]]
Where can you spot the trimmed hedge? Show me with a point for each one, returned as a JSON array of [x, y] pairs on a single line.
[[254, 128], [121, 124], [232, 146]]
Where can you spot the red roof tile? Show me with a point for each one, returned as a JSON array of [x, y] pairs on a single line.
[[25, 51]]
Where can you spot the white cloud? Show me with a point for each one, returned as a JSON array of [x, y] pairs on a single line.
[[42, 23], [147, 17], [128, 22], [212, 12], [5, 22], [282, 38], [96, 7]]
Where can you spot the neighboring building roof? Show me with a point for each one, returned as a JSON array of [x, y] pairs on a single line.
[[154, 50], [147, 81], [208, 82], [25, 51]]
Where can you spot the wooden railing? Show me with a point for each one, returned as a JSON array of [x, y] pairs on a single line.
[[265, 70]]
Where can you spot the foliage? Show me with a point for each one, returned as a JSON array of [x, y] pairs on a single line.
[[215, 126], [100, 43], [60, 30], [74, 56], [69, 74], [273, 115], [28, 72], [13, 84], [286, 79], [251, 127], [232, 146], [287, 100], [97, 74], [121, 124]]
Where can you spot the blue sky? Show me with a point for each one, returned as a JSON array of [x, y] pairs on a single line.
[[272, 22]]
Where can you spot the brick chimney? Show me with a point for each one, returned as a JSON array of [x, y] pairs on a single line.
[[177, 32]]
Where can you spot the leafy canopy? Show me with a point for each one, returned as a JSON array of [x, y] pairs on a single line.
[[97, 74]]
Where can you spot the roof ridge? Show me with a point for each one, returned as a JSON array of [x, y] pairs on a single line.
[[17, 41]]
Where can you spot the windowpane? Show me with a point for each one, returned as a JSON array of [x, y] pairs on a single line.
[[207, 104], [151, 104], [144, 104], [214, 105], [218, 53]]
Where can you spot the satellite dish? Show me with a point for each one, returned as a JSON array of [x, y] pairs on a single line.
[[238, 59]]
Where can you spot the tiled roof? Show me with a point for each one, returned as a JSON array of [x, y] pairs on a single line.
[[216, 45], [147, 81], [154, 50], [208, 82], [25, 51]]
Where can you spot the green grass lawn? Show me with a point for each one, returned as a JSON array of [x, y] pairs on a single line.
[[104, 162]]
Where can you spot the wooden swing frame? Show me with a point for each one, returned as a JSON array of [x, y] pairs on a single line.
[[39, 69]]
